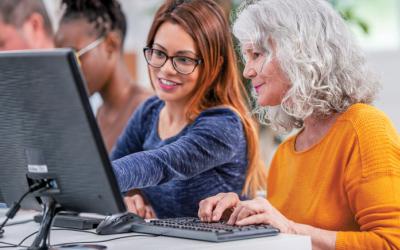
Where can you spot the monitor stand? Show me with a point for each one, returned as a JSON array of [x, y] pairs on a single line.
[[41, 240]]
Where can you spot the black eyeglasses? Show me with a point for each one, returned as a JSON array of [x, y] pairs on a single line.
[[182, 64]]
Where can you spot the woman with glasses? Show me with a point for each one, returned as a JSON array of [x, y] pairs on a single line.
[[338, 178], [194, 138], [96, 30]]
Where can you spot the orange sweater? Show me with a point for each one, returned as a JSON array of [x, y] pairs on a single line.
[[348, 182]]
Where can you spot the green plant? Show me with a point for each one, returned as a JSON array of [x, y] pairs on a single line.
[[348, 14]]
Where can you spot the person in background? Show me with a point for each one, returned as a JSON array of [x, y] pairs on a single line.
[[338, 178], [24, 24], [96, 29], [195, 138]]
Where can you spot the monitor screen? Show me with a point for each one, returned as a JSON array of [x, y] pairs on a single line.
[[47, 128], [1, 198]]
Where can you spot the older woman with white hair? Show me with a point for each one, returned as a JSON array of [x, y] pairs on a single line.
[[338, 178]]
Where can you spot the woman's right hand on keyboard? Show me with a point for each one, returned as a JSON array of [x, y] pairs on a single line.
[[136, 203], [218, 206]]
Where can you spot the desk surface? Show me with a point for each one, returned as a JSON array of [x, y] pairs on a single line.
[[15, 233]]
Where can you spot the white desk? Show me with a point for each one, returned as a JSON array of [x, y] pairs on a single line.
[[15, 233]]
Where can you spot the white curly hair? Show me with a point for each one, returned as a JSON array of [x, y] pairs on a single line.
[[317, 52]]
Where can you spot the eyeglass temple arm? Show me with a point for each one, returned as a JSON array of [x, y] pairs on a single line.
[[89, 47]]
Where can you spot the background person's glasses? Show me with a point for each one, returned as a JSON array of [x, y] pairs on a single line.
[[89, 47], [182, 64]]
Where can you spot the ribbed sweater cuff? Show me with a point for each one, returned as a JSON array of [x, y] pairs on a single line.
[[340, 242]]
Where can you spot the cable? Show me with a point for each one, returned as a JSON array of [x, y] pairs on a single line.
[[73, 229], [8, 244], [102, 241], [18, 222], [17, 205], [98, 241], [27, 237], [55, 229], [20, 243], [12, 211], [71, 243]]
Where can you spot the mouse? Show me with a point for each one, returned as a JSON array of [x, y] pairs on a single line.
[[118, 223]]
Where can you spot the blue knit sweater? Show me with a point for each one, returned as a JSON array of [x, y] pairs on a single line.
[[207, 157]]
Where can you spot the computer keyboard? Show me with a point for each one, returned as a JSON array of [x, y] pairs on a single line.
[[193, 228]]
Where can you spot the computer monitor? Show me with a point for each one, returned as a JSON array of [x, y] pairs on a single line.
[[2, 204], [49, 133], [1, 198]]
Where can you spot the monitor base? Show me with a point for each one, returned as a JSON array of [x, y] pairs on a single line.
[[51, 208]]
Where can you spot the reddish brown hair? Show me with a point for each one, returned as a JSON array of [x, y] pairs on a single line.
[[219, 82]]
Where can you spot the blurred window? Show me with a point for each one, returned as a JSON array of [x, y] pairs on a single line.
[[382, 19]]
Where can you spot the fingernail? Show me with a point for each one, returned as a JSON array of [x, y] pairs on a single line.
[[215, 217]]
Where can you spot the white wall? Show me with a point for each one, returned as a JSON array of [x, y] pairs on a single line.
[[139, 14], [387, 65]]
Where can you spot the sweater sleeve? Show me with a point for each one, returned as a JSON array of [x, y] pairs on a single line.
[[211, 141], [131, 139], [373, 190]]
